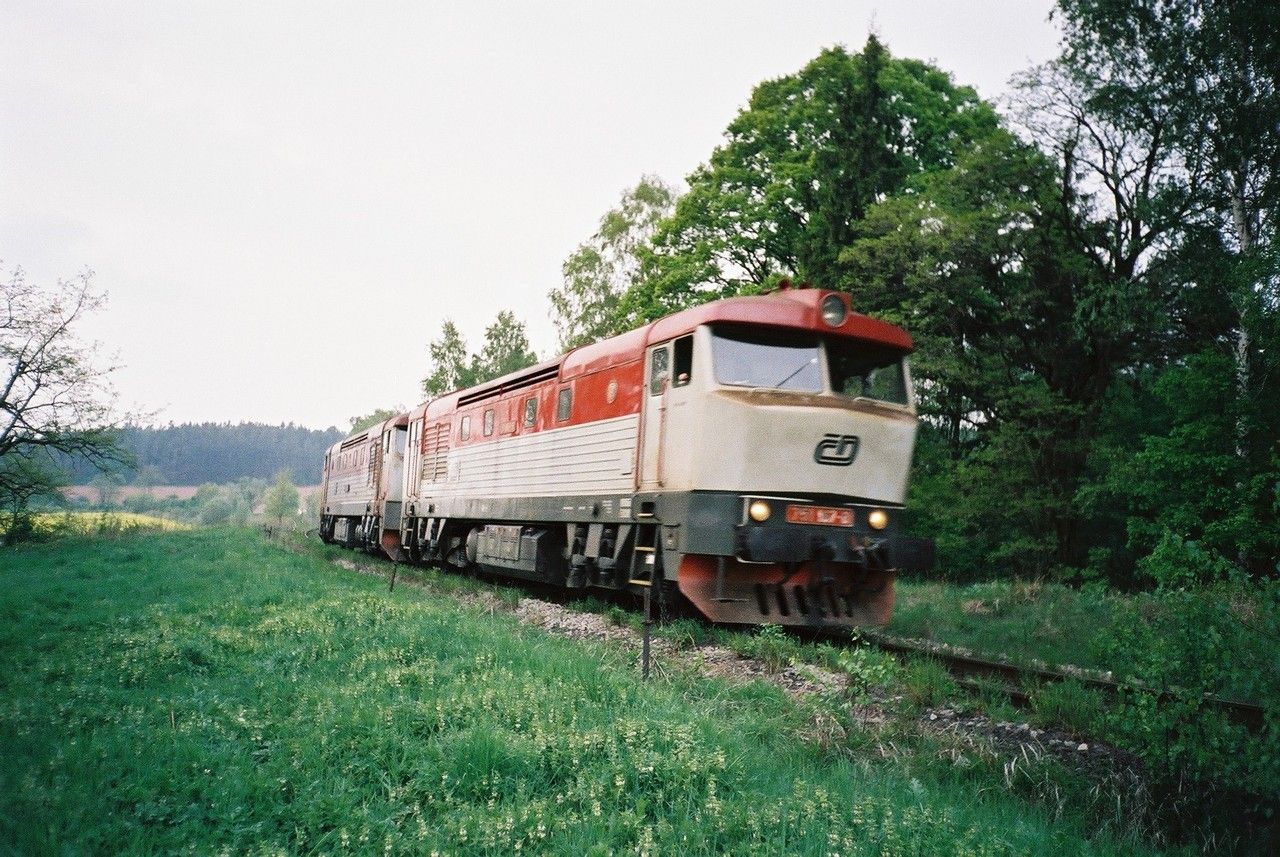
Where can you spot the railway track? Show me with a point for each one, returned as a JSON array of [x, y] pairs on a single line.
[[1015, 679]]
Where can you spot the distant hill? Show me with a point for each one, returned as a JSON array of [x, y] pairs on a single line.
[[194, 453]]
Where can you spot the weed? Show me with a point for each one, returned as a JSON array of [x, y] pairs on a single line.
[[1068, 703], [991, 696], [771, 646], [927, 683], [868, 669], [685, 633]]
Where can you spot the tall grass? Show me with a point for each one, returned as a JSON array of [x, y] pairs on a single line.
[[205, 692]]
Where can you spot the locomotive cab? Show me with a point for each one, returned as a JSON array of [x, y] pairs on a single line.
[[782, 452]]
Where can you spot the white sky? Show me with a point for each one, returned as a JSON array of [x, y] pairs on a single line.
[[284, 200]]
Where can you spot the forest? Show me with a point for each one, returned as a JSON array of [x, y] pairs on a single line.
[[196, 453], [1089, 271]]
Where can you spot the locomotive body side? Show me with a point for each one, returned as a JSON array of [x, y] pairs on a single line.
[[726, 451], [362, 488]]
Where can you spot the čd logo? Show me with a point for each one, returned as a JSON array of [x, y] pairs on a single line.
[[837, 450]]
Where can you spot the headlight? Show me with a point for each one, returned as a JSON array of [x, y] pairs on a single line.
[[759, 510], [833, 310], [878, 519]]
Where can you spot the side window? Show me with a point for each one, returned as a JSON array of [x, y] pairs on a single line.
[[683, 361], [564, 404], [530, 411], [464, 430], [488, 422], [659, 371]]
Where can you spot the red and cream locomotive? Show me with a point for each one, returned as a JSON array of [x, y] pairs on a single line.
[[750, 454]]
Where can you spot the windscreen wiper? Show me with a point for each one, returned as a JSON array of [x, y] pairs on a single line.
[[799, 369]]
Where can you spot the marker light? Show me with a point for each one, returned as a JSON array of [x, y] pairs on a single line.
[[833, 310], [878, 519], [759, 510]]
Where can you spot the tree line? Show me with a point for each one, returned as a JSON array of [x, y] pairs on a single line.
[[196, 453]]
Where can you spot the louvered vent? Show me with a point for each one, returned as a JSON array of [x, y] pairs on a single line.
[[435, 452]]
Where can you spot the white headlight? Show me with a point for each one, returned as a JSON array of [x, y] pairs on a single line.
[[759, 511], [833, 310]]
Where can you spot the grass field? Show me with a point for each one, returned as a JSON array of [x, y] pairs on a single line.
[[206, 692]]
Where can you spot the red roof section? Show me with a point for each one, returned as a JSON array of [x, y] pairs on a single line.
[[795, 308]]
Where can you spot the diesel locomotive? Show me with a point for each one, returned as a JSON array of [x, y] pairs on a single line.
[[749, 456]]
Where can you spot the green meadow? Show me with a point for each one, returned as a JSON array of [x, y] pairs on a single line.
[[207, 692]]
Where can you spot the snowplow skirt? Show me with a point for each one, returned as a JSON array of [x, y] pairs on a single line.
[[810, 594]]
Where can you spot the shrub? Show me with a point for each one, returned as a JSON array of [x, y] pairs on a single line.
[[1211, 775], [1178, 563], [770, 645], [867, 668]]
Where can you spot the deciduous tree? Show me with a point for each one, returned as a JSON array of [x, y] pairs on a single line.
[[1205, 74], [586, 306], [450, 368], [506, 349], [281, 498], [379, 415], [799, 168], [55, 399]]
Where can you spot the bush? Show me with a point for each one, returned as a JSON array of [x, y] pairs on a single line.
[[1178, 563], [216, 510], [1211, 775], [868, 669], [770, 645]]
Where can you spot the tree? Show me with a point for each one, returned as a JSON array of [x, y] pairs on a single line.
[[585, 308], [798, 170], [1016, 340], [281, 498], [107, 485], [449, 367], [1211, 72], [55, 399], [148, 476], [359, 423], [23, 479], [506, 349]]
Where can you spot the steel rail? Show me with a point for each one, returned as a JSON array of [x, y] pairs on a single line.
[[966, 665]]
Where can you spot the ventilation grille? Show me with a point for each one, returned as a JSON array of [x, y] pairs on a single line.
[[435, 452]]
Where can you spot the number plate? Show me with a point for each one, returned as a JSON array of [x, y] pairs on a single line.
[[824, 515]]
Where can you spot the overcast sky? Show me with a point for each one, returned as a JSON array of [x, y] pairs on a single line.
[[284, 200]]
